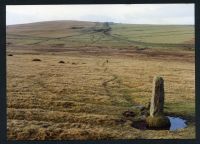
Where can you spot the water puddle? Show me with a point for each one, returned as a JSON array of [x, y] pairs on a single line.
[[176, 123]]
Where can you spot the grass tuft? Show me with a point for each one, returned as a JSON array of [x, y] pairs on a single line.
[[158, 122]]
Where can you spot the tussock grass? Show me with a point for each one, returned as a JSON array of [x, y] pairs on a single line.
[[87, 101], [158, 122]]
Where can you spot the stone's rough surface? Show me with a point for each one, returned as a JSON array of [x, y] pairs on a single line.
[[157, 100]]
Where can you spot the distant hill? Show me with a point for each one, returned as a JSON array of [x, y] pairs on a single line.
[[96, 34]]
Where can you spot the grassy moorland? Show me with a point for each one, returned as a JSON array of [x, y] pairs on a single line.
[[108, 69]]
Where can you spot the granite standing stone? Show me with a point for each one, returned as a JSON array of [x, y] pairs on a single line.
[[157, 100]]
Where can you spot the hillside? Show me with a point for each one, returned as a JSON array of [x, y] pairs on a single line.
[[65, 34]]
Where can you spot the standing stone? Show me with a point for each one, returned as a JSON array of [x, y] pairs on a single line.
[[157, 120], [157, 100]]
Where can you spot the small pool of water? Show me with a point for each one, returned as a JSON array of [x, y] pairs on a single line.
[[176, 123]]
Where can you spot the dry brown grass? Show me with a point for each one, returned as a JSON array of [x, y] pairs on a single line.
[[85, 98], [103, 75]]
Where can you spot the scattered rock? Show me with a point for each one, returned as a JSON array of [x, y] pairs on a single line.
[[74, 63], [36, 59], [128, 113], [61, 62], [10, 55]]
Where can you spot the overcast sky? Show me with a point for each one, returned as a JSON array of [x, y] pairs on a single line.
[[123, 13]]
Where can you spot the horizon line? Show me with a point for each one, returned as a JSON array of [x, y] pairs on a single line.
[[94, 22]]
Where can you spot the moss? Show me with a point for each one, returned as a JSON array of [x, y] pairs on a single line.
[[158, 122]]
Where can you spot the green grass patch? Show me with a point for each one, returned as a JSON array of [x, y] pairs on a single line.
[[186, 110]]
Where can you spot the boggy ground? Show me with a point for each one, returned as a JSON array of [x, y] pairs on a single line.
[[84, 98]]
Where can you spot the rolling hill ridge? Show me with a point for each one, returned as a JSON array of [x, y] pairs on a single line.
[[95, 34]]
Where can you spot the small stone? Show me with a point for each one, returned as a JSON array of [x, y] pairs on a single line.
[[128, 114], [61, 62], [36, 59]]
